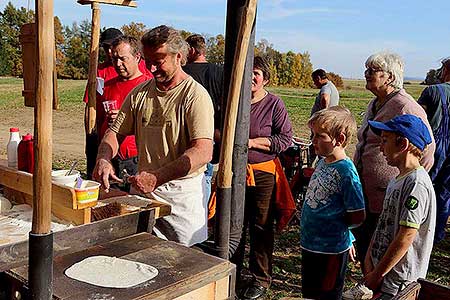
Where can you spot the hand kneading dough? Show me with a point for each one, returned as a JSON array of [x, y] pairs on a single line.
[[111, 272]]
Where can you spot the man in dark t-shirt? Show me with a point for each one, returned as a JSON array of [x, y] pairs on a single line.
[[210, 76], [435, 99]]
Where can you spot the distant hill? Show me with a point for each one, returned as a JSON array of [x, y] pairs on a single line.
[[413, 79], [404, 79]]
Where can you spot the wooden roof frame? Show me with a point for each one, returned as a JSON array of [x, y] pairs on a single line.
[[129, 3], [41, 237]]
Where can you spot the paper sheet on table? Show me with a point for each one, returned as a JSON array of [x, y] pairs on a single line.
[[100, 85]]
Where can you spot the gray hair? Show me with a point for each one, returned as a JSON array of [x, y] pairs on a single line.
[[158, 36], [390, 63]]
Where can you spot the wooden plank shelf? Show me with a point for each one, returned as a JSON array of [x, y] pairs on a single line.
[[129, 3], [19, 188]]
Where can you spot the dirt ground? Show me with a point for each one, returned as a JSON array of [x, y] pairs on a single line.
[[68, 132]]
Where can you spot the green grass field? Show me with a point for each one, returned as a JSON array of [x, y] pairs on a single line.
[[287, 257], [298, 101]]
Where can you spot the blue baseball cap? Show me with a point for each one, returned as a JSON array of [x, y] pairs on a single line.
[[408, 126]]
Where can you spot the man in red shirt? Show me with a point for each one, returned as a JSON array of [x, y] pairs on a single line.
[[105, 72], [126, 55]]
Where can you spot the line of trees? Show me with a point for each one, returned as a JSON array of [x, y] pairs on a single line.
[[72, 55]]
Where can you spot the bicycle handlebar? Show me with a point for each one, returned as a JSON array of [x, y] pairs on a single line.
[[302, 142]]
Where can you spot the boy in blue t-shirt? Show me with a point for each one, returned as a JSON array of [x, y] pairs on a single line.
[[334, 203]]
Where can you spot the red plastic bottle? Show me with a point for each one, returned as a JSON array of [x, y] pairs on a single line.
[[25, 154]]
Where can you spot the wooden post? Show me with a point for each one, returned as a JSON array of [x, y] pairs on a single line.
[[40, 258], [235, 10], [93, 58], [226, 151], [28, 42], [42, 185], [55, 82], [225, 174]]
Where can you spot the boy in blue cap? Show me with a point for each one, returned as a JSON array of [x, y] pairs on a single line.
[[400, 249]]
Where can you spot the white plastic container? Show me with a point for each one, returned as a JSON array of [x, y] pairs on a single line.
[[11, 148], [61, 178]]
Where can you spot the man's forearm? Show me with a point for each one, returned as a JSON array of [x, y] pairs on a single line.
[[367, 266], [109, 146], [427, 160]]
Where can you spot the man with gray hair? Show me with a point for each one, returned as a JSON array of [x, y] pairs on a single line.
[[172, 118], [435, 99]]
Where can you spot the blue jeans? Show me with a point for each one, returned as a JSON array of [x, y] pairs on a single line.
[[208, 178]]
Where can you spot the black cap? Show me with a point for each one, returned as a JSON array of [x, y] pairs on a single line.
[[107, 36]]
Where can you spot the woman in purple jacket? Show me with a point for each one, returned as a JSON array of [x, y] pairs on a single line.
[[270, 134]]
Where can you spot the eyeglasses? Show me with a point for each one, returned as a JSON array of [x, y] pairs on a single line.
[[372, 71], [156, 64]]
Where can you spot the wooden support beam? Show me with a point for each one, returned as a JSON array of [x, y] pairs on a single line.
[[129, 3], [42, 184], [93, 58], [224, 175]]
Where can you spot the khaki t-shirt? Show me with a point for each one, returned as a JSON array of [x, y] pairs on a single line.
[[165, 122]]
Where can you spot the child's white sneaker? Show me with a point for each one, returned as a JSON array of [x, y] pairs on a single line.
[[358, 292]]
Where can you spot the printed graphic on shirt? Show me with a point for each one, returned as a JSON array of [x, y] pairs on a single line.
[[411, 203], [326, 183]]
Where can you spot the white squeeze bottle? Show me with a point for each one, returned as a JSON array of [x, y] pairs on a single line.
[[14, 140]]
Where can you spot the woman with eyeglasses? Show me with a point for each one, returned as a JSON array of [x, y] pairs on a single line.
[[384, 78]]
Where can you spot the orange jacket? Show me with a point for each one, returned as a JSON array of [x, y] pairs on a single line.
[[284, 202]]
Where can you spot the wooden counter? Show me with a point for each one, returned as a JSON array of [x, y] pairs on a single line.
[[18, 187], [184, 273]]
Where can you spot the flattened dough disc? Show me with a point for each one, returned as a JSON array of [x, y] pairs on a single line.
[[113, 272]]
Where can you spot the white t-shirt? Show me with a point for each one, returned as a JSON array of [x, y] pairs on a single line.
[[410, 201], [330, 89]]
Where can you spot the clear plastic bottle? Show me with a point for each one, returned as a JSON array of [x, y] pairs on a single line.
[[11, 149]]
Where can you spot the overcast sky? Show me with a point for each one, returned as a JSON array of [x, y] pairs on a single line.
[[339, 34]]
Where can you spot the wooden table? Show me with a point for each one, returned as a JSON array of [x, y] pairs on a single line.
[[184, 273]]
